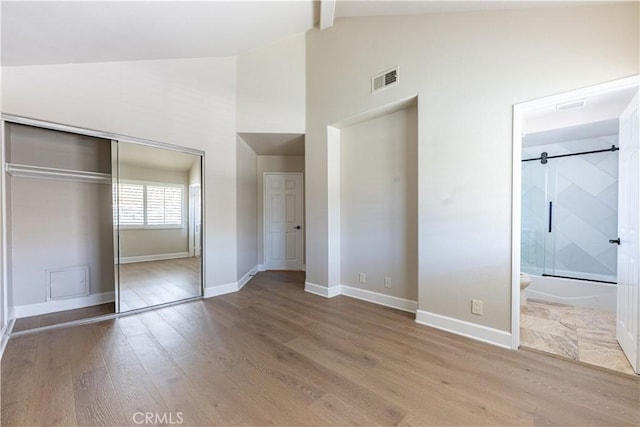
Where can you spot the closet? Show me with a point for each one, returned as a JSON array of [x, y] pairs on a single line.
[[83, 241]]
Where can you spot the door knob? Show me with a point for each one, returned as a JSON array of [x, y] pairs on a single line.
[[297, 227], [615, 241]]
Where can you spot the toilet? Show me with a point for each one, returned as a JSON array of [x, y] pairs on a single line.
[[525, 280]]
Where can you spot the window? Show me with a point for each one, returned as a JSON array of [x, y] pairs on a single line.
[[150, 205]]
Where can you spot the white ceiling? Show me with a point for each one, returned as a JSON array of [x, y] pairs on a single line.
[[62, 32], [53, 32], [351, 8], [275, 144], [596, 108], [572, 133], [155, 158]]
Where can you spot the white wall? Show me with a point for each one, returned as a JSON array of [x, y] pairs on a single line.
[[272, 164], [271, 88], [379, 204], [186, 102], [246, 172], [468, 69]]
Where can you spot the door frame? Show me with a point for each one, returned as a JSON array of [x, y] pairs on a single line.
[[264, 216], [519, 111]]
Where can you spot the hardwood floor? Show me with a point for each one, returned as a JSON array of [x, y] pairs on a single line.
[[63, 316], [273, 354], [145, 284]]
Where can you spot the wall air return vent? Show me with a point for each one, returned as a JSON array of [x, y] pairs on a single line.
[[384, 80], [570, 105]]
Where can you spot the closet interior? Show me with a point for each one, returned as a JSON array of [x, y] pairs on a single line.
[[96, 226]]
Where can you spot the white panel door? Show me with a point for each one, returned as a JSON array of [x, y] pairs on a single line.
[[628, 311], [283, 221]]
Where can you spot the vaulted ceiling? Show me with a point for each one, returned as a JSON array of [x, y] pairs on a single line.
[[61, 32]]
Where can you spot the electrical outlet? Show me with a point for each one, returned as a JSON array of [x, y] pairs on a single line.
[[363, 278], [476, 306], [387, 282]]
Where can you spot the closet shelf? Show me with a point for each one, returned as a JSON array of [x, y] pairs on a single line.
[[39, 172]]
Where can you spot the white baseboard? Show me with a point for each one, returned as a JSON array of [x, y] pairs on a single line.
[[157, 257], [466, 329], [362, 294], [380, 299], [261, 267], [214, 291], [244, 279], [63, 304], [4, 335], [228, 288], [323, 291]]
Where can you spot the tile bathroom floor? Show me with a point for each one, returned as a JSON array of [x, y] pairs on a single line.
[[579, 333]]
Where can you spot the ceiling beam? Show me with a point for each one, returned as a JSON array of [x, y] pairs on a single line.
[[327, 13]]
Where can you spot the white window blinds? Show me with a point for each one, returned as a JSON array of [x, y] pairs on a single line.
[[153, 205], [131, 204], [164, 205]]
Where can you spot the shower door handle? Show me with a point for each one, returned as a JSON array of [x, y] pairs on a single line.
[[550, 216], [614, 241]]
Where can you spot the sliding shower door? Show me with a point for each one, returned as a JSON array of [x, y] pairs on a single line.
[[583, 193], [157, 260], [569, 214]]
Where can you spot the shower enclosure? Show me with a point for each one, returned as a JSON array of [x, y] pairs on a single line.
[[569, 209]]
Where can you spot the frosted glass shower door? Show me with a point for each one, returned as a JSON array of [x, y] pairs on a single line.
[[583, 192]]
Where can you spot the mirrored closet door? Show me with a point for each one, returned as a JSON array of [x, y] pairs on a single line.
[[96, 226], [157, 212]]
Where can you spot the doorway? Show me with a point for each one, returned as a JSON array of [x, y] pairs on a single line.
[[283, 221], [575, 155]]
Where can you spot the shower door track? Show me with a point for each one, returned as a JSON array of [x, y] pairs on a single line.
[[577, 278], [544, 157]]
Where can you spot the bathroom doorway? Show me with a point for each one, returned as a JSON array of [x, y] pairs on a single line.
[[574, 159]]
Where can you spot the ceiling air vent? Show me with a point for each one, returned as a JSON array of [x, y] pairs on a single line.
[[384, 80], [570, 105]]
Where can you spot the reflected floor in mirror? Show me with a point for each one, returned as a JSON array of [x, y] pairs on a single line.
[[145, 284]]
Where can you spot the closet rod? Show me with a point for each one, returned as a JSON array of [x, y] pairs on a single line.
[[544, 156], [40, 172]]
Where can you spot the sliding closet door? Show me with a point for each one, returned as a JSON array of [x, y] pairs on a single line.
[[158, 262]]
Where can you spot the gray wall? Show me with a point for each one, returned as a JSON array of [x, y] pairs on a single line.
[[246, 202], [141, 242], [58, 223], [467, 70], [273, 164], [378, 207]]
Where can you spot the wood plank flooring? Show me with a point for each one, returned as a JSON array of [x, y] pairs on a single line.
[[272, 354], [145, 284], [63, 316]]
